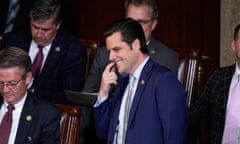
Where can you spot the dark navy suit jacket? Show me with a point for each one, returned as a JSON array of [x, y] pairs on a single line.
[[64, 67], [39, 123], [158, 112]]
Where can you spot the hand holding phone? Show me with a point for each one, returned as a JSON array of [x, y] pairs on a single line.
[[113, 86], [109, 80]]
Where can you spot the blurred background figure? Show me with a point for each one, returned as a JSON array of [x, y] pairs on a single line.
[[219, 100], [58, 58]]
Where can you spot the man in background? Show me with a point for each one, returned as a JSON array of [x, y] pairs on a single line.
[[29, 120], [145, 12], [219, 100], [14, 14], [62, 57]]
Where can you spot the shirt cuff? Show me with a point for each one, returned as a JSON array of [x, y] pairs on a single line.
[[100, 101]]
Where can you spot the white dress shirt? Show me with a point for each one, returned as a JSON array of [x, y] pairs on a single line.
[[33, 52], [15, 115], [232, 86], [119, 128]]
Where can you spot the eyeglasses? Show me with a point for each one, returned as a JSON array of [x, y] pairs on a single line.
[[144, 21], [10, 84]]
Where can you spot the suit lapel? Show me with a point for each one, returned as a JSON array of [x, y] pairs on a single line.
[[140, 88], [117, 99], [25, 122], [52, 59], [54, 54], [227, 81], [152, 48]]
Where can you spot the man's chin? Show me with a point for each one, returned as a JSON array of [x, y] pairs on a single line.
[[9, 98]]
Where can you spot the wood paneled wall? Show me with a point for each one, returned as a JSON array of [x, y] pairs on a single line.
[[181, 24]]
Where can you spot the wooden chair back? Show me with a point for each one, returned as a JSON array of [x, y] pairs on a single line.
[[91, 46], [188, 72], [69, 124]]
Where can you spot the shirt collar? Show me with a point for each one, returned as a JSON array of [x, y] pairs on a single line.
[[138, 71]]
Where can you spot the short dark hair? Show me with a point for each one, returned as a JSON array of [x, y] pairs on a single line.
[[130, 30], [13, 56], [151, 3], [45, 9], [236, 31]]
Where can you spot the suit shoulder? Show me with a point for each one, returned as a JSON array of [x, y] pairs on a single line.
[[222, 72], [45, 107], [16, 37], [69, 42], [159, 69], [161, 48], [223, 69]]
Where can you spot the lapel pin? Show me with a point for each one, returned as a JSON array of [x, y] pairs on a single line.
[[152, 51], [142, 82], [28, 117], [57, 49]]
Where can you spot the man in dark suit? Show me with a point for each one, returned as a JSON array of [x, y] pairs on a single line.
[[33, 121], [146, 13], [156, 111], [64, 59], [215, 98]]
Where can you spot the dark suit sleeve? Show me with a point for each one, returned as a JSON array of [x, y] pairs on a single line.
[[73, 69], [172, 110], [50, 133], [201, 107], [102, 118]]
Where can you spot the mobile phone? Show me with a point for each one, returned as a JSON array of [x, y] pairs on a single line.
[[113, 86]]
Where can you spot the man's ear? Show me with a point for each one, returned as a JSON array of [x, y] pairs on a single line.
[[154, 24], [59, 24], [28, 77], [233, 45], [136, 44]]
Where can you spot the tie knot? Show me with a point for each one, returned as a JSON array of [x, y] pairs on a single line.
[[40, 47], [10, 107]]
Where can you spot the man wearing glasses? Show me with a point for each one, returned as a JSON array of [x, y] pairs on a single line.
[[23, 118], [58, 58]]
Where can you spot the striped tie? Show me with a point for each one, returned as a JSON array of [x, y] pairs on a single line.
[[14, 7], [128, 105]]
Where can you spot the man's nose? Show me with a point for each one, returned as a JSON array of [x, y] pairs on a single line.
[[112, 56], [39, 33]]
